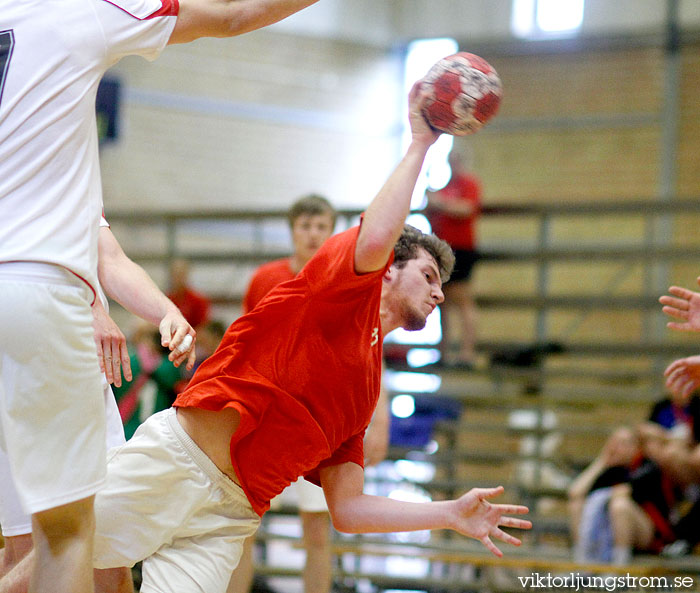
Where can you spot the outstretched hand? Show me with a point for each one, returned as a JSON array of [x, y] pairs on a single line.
[[479, 519], [685, 305], [683, 375]]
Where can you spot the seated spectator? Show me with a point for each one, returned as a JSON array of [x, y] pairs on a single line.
[[621, 503], [671, 437], [620, 454]]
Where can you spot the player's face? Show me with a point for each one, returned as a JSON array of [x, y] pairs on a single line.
[[309, 232], [418, 290]]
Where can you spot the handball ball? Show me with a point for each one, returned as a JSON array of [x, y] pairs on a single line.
[[464, 93]]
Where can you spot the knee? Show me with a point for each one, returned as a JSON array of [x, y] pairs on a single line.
[[619, 504], [66, 522], [316, 530]]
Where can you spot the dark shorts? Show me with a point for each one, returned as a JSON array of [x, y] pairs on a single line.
[[464, 262]]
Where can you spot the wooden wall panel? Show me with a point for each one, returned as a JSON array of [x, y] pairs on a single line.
[[566, 84], [689, 124], [574, 165]]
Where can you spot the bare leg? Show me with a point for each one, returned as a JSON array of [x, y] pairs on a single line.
[[242, 577], [318, 571], [16, 548], [631, 526], [17, 579], [111, 580], [459, 326], [114, 580], [63, 546], [575, 505]]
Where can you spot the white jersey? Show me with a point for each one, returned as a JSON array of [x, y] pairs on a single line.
[[53, 54]]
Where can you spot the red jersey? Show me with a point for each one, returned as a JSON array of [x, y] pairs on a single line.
[[265, 278], [458, 231], [303, 369]]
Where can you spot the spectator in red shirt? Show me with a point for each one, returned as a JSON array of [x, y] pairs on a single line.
[[453, 212], [311, 221], [194, 305]]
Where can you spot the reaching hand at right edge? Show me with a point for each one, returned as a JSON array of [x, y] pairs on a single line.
[[683, 375], [685, 305]]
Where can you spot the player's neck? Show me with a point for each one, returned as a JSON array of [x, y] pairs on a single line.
[[387, 318], [296, 263]]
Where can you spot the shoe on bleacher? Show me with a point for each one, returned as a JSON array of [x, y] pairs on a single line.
[[680, 547]]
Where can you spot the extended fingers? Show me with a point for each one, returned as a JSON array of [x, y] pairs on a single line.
[[675, 312], [483, 493], [512, 509], [676, 367], [191, 359], [182, 348], [491, 546], [107, 361], [115, 361], [681, 384], [515, 523], [681, 292], [674, 302], [505, 537], [126, 361], [673, 375]]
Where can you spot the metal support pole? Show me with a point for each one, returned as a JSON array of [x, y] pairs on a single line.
[[660, 229]]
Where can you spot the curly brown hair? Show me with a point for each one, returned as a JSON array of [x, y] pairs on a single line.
[[412, 239]]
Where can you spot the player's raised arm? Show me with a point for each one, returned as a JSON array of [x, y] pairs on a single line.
[[227, 18], [385, 216]]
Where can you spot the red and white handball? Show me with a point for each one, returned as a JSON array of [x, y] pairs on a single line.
[[465, 92]]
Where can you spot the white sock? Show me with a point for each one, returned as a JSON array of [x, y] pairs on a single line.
[[621, 555]]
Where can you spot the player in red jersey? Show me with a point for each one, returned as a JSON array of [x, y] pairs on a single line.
[[311, 221], [289, 393]]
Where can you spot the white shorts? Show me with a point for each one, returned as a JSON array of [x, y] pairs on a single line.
[[52, 414], [13, 520], [166, 503], [307, 497]]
